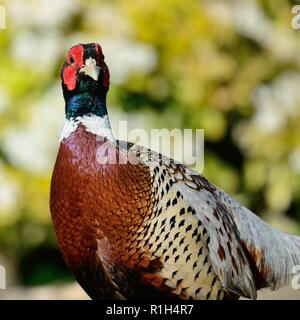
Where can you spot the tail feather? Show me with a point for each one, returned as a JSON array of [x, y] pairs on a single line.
[[272, 253]]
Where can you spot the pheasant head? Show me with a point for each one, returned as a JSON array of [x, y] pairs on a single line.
[[85, 81]]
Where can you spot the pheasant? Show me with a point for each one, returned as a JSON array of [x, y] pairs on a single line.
[[145, 226]]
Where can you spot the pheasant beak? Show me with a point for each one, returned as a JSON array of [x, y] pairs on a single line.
[[91, 69]]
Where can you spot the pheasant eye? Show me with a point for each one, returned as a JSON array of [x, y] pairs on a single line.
[[72, 60]]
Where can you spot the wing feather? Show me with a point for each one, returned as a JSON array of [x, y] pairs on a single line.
[[247, 254]]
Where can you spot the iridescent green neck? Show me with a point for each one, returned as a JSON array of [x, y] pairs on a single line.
[[85, 104]]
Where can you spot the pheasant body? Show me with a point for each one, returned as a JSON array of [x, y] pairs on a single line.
[[143, 225], [149, 230]]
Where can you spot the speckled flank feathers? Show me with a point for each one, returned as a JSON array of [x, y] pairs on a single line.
[[151, 228]]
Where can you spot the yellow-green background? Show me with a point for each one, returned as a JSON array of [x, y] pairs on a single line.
[[230, 67]]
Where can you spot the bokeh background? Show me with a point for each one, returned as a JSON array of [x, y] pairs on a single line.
[[230, 67]]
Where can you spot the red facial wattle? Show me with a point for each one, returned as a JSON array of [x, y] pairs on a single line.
[[74, 63], [69, 75]]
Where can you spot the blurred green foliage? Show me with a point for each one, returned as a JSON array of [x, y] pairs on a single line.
[[230, 67]]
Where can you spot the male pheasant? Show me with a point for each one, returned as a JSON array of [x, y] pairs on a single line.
[[145, 226]]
